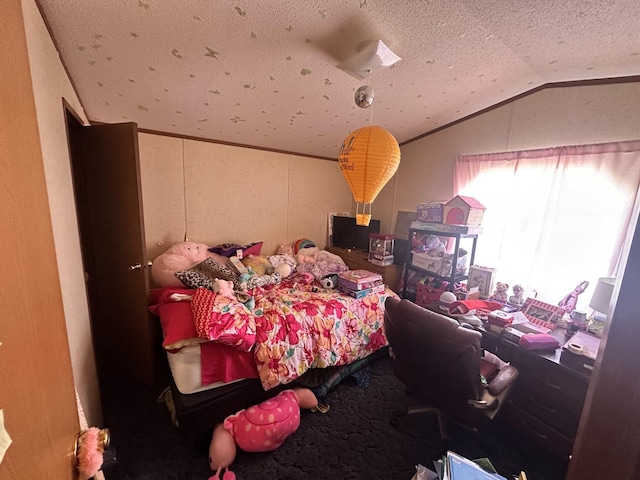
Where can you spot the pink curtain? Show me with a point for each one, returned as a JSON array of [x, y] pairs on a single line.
[[554, 216]]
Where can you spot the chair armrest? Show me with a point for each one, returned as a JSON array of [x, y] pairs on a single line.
[[503, 380]]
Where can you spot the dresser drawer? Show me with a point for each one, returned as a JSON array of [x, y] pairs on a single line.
[[549, 382], [550, 439], [552, 412]]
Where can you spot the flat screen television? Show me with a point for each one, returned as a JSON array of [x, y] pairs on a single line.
[[346, 234]]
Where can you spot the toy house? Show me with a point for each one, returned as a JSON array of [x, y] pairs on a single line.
[[430, 212], [462, 210]]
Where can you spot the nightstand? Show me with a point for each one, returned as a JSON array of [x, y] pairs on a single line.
[[359, 260]]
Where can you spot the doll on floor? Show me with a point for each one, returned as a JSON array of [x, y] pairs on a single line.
[[261, 428]]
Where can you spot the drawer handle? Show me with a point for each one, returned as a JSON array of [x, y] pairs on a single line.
[[544, 407], [587, 366], [552, 385], [541, 435]]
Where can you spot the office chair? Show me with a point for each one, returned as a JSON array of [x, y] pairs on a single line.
[[439, 362]]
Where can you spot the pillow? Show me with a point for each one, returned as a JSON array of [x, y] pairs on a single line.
[[205, 274], [178, 328], [259, 264], [230, 249], [223, 320]]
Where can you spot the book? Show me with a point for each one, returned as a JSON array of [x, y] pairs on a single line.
[[529, 327], [359, 279], [361, 293], [458, 467]]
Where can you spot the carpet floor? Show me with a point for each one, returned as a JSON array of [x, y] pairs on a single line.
[[354, 440]]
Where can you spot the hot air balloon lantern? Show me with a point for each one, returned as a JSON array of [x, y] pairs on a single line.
[[368, 158]]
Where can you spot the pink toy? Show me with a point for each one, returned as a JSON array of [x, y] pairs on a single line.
[[179, 256], [569, 302], [261, 428], [224, 288]]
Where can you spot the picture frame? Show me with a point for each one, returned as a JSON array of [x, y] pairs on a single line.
[[542, 313], [483, 278]]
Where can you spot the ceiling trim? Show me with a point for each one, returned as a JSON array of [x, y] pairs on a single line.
[[231, 144], [571, 83]]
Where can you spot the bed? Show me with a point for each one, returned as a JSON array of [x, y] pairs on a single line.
[[225, 355]]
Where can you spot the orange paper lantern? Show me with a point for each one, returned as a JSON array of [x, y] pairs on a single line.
[[368, 158]]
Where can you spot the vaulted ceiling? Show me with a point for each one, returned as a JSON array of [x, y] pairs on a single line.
[[263, 73]]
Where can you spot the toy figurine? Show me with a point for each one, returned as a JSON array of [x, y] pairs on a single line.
[[568, 303], [500, 293], [517, 299]]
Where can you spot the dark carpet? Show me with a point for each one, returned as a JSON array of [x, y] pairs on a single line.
[[354, 440]]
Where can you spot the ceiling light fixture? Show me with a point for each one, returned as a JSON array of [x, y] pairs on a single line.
[[373, 56]]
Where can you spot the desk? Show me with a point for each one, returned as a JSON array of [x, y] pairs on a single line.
[[547, 398], [357, 259]]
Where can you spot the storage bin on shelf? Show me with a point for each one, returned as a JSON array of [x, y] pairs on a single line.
[[427, 292]]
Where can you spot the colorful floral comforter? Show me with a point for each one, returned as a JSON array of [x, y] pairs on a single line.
[[294, 326]]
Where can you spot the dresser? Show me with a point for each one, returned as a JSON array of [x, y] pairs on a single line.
[[358, 260], [547, 398]]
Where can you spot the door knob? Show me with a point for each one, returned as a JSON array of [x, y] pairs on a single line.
[[138, 266], [89, 448]]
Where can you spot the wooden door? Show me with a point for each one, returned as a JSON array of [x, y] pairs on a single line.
[[109, 204], [36, 384]]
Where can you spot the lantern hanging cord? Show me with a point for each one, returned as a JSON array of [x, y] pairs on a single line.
[[372, 105], [184, 194]]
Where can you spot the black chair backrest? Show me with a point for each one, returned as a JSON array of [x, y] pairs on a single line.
[[435, 357]]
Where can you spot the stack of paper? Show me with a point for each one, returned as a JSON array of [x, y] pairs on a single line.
[[457, 467]]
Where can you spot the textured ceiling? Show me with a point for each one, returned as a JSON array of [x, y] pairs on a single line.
[[263, 72]]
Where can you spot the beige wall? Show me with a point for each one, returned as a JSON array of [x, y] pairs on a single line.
[[50, 86], [234, 194], [551, 117], [242, 195]]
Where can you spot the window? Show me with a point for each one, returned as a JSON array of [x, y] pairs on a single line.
[[554, 217]]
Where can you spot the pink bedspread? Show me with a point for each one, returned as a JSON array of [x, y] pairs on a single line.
[[299, 326]]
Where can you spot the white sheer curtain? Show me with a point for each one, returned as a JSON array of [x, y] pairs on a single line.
[[554, 216]]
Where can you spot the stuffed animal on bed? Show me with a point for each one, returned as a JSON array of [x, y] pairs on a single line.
[[306, 255], [178, 257], [224, 288], [283, 261], [261, 428]]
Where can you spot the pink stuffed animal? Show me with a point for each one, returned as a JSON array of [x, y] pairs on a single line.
[[261, 428], [179, 256]]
